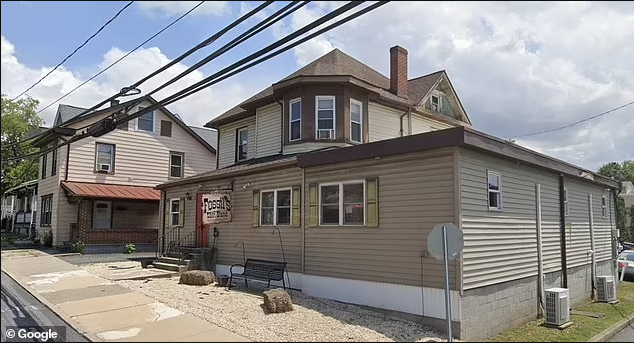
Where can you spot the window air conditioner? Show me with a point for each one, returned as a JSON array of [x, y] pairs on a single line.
[[104, 167], [557, 306], [606, 289], [325, 134]]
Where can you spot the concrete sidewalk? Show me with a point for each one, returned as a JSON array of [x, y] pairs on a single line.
[[101, 309]]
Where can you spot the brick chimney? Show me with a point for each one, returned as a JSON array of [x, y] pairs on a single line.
[[114, 102], [398, 71]]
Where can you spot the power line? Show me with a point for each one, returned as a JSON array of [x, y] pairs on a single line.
[[77, 49], [207, 82], [577, 122], [123, 57], [124, 91]]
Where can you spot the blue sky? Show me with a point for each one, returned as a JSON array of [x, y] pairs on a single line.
[[518, 67]]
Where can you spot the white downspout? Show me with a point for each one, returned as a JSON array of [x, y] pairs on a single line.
[[540, 261], [592, 249]]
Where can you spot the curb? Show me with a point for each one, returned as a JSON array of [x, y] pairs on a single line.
[[66, 318], [613, 330]]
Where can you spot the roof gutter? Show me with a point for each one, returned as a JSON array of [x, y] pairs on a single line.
[[272, 166]]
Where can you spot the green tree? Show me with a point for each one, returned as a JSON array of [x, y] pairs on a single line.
[[623, 171], [19, 121]]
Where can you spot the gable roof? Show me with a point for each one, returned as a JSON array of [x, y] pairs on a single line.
[[209, 135], [72, 114], [338, 63]]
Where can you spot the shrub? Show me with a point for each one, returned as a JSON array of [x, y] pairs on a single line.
[[130, 248], [79, 247], [47, 239]]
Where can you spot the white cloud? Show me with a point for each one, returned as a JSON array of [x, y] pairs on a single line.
[[518, 67], [176, 8], [195, 110]]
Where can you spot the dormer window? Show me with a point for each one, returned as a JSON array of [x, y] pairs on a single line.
[[325, 117], [295, 120], [356, 129], [436, 103]]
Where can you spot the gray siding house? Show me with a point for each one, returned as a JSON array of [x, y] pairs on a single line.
[[355, 169]]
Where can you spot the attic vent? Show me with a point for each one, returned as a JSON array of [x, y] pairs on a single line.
[[166, 128]]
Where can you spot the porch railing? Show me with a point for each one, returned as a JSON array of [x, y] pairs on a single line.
[[166, 240]]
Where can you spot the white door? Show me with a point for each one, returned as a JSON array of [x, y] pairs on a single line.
[[102, 215]]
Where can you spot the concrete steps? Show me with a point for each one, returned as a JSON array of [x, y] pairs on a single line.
[[172, 264]]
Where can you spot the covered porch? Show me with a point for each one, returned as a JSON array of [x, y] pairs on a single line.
[[114, 214]]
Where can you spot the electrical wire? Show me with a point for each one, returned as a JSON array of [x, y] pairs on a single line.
[[206, 42], [123, 57], [272, 19], [209, 80], [577, 122], [77, 49]]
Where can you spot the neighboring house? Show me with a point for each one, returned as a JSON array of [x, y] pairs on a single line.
[[101, 190], [627, 192], [19, 208], [355, 169]]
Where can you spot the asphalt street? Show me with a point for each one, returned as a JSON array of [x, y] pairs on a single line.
[[626, 335], [21, 310]]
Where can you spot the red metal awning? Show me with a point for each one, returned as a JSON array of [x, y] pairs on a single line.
[[104, 191]]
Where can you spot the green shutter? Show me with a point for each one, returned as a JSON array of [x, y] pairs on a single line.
[[296, 214], [372, 202], [312, 206], [181, 215], [256, 208]]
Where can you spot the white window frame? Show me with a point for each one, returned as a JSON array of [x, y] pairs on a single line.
[[431, 102], [341, 196], [182, 166], [238, 144], [566, 206], [136, 122], [275, 223], [360, 122], [334, 116], [291, 121], [112, 157], [604, 207], [172, 213], [499, 191]]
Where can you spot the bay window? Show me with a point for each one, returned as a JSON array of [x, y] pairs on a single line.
[[325, 117]]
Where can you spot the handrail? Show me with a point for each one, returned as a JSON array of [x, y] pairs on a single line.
[[182, 256], [158, 240]]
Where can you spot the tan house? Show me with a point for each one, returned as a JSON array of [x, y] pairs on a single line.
[[355, 169], [101, 190]]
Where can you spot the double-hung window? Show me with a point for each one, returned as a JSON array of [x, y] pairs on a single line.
[[242, 144], [54, 163], [325, 112], [566, 206], [276, 207], [295, 120], [495, 190], [176, 164], [436, 103], [342, 203], [146, 121], [175, 212], [47, 210], [356, 115], [44, 158], [104, 158], [604, 207]]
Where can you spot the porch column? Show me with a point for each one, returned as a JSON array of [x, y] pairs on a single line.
[[85, 217]]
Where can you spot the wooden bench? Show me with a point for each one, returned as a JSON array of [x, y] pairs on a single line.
[[261, 270]]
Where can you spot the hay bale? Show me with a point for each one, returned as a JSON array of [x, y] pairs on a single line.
[[277, 301], [197, 277]]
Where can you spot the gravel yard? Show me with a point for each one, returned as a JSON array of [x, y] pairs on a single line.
[[240, 310]]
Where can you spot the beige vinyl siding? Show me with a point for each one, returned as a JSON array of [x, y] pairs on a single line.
[[578, 223], [64, 214], [421, 124], [495, 240], [384, 122], [227, 141], [415, 193], [141, 158], [268, 130], [310, 146], [45, 187], [258, 242], [135, 215]]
